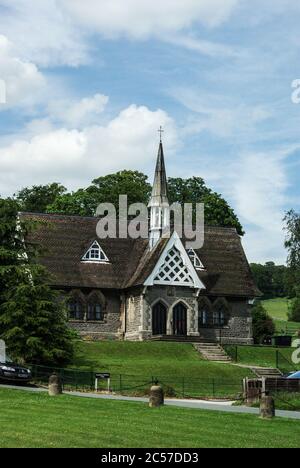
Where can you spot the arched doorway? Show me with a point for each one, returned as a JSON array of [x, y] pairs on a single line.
[[180, 320], [159, 319]]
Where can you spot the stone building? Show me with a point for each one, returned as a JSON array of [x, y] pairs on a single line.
[[156, 288]]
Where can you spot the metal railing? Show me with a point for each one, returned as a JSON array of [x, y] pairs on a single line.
[[139, 385]]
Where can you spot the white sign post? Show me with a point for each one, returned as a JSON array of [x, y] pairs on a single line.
[[2, 351]]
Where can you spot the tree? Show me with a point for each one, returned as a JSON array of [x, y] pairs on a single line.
[[292, 244], [105, 189], [294, 310], [263, 324], [193, 190], [37, 198], [271, 279], [32, 318]]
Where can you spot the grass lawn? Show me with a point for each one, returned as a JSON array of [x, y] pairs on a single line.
[[36, 420], [261, 356], [278, 310], [177, 365]]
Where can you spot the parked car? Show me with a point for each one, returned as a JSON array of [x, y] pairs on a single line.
[[10, 372], [295, 375]]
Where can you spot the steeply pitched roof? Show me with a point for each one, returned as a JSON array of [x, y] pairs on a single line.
[[63, 240], [159, 194]]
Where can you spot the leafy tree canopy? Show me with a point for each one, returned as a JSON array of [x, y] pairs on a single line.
[[37, 198], [271, 279], [135, 184], [106, 189], [292, 244], [32, 318]]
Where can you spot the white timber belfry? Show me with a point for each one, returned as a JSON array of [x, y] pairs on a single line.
[[174, 268]]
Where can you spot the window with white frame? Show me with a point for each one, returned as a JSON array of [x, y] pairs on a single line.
[[95, 254], [195, 259]]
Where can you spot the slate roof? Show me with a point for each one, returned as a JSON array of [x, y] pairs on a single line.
[[63, 240]]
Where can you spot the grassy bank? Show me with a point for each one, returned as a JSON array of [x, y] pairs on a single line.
[[261, 356], [178, 366]]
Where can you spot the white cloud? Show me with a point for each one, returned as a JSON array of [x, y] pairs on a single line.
[[258, 185], [144, 18], [211, 49], [49, 32], [42, 32], [23, 81], [78, 114], [219, 115], [76, 157]]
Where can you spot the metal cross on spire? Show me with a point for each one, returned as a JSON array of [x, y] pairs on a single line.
[[160, 131]]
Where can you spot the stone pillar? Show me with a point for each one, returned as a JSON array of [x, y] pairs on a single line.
[[55, 386], [156, 396], [267, 407]]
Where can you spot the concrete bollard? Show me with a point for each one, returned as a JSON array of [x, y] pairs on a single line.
[[267, 407], [55, 387], [156, 396]]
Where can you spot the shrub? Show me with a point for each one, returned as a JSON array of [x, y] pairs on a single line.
[[263, 324], [294, 312]]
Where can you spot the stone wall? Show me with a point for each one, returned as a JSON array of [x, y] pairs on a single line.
[[110, 327], [239, 327]]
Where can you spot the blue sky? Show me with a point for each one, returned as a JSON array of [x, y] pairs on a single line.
[[89, 83]]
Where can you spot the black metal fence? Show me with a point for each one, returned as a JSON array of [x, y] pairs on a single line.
[[72, 379], [281, 362], [139, 385]]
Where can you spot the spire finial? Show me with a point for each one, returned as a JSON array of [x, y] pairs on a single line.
[[160, 131]]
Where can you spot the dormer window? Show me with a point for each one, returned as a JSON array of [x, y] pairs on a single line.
[[95, 254], [195, 259]]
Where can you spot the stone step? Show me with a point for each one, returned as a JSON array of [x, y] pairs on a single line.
[[212, 352]]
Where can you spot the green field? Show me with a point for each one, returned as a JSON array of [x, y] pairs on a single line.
[[36, 420], [176, 365], [278, 310]]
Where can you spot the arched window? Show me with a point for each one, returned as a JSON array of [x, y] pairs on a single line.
[[76, 309], [95, 312], [204, 313], [220, 313], [95, 308]]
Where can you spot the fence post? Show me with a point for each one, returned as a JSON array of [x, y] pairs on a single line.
[[277, 359], [120, 383], [63, 379], [92, 380], [236, 354], [214, 389], [183, 387]]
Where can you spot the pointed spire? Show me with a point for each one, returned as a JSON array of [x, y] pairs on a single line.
[[159, 195]]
